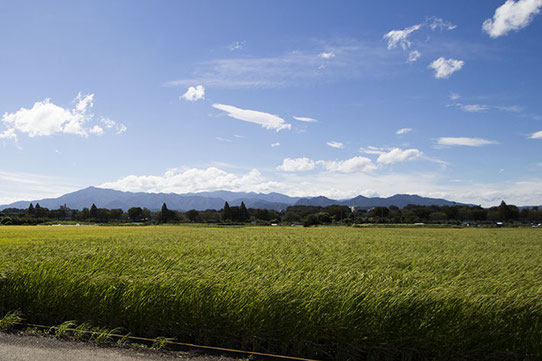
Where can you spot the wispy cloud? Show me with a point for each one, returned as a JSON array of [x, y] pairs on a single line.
[[454, 96], [223, 139], [403, 131], [464, 141], [446, 67], [351, 58], [328, 55], [512, 15], [46, 118], [536, 135], [194, 93], [266, 120], [273, 145], [413, 56], [476, 108], [237, 45], [334, 144], [305, 119], [435, 23], [397, 38], [472, 108]]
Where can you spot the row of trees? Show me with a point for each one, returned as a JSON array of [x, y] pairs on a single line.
[[306, 215]]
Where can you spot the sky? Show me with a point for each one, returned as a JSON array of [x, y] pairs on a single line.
[[305, 98]]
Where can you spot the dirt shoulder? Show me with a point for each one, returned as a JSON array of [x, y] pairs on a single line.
[[25, 347]]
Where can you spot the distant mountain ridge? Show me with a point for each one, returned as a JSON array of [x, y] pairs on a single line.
[[109, 198]]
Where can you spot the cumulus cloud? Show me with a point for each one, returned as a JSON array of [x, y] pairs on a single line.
[[194, 94], [355, 164], [413, 56], [46, 118], [96, 130], [446, 67], [403, 131], [305, 119], [536, 135], [397, 155], [334, 144], [465, 141], [266, 120], [296, 165], [512, 15], [194, 180], [8, 134], [329, 55], [400, 37]]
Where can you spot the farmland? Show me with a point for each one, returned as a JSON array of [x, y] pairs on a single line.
[[331, 292]]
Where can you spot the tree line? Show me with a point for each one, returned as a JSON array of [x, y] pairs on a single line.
[[293, 215]]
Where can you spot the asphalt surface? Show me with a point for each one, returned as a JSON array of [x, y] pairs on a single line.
[[23, 347]]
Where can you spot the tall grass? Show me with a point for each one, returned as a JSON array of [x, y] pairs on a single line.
[[333, 293]]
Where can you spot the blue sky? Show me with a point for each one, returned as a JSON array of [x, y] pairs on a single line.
[[306, 98]]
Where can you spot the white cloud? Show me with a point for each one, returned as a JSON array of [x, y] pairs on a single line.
[[237, 45], [296, 165], [46, 118], [293, 68], [334, 144], [413, 56], [223, 139], [355, 164], [536, 135], [465, 141], [397, 155], [305, 119], [512, 15], [454, 96], [8, 134], [329, 55], [273, 145], [436, 23], [266, 120], [473, 108], [194, 94], [509, 108], [96, 130], [400, 37], [194, 180], [111, 124], [446, 67], [403, 131]]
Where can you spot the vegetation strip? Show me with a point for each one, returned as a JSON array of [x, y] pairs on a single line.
[[167, 342]]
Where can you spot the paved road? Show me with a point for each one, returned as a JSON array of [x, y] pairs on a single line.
[[16, 347]]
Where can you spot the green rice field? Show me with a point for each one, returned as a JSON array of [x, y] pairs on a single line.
[[325, 293]]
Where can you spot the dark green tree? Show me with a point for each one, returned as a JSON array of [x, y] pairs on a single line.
[[226, 212], [192, 215], [165, 214], [135, 214], [93, 211], [243, 213], [31, 210]]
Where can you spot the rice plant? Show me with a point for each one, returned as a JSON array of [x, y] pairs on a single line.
[[331, 293]]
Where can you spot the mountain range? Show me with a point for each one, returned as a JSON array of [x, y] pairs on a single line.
[[109, 198]]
